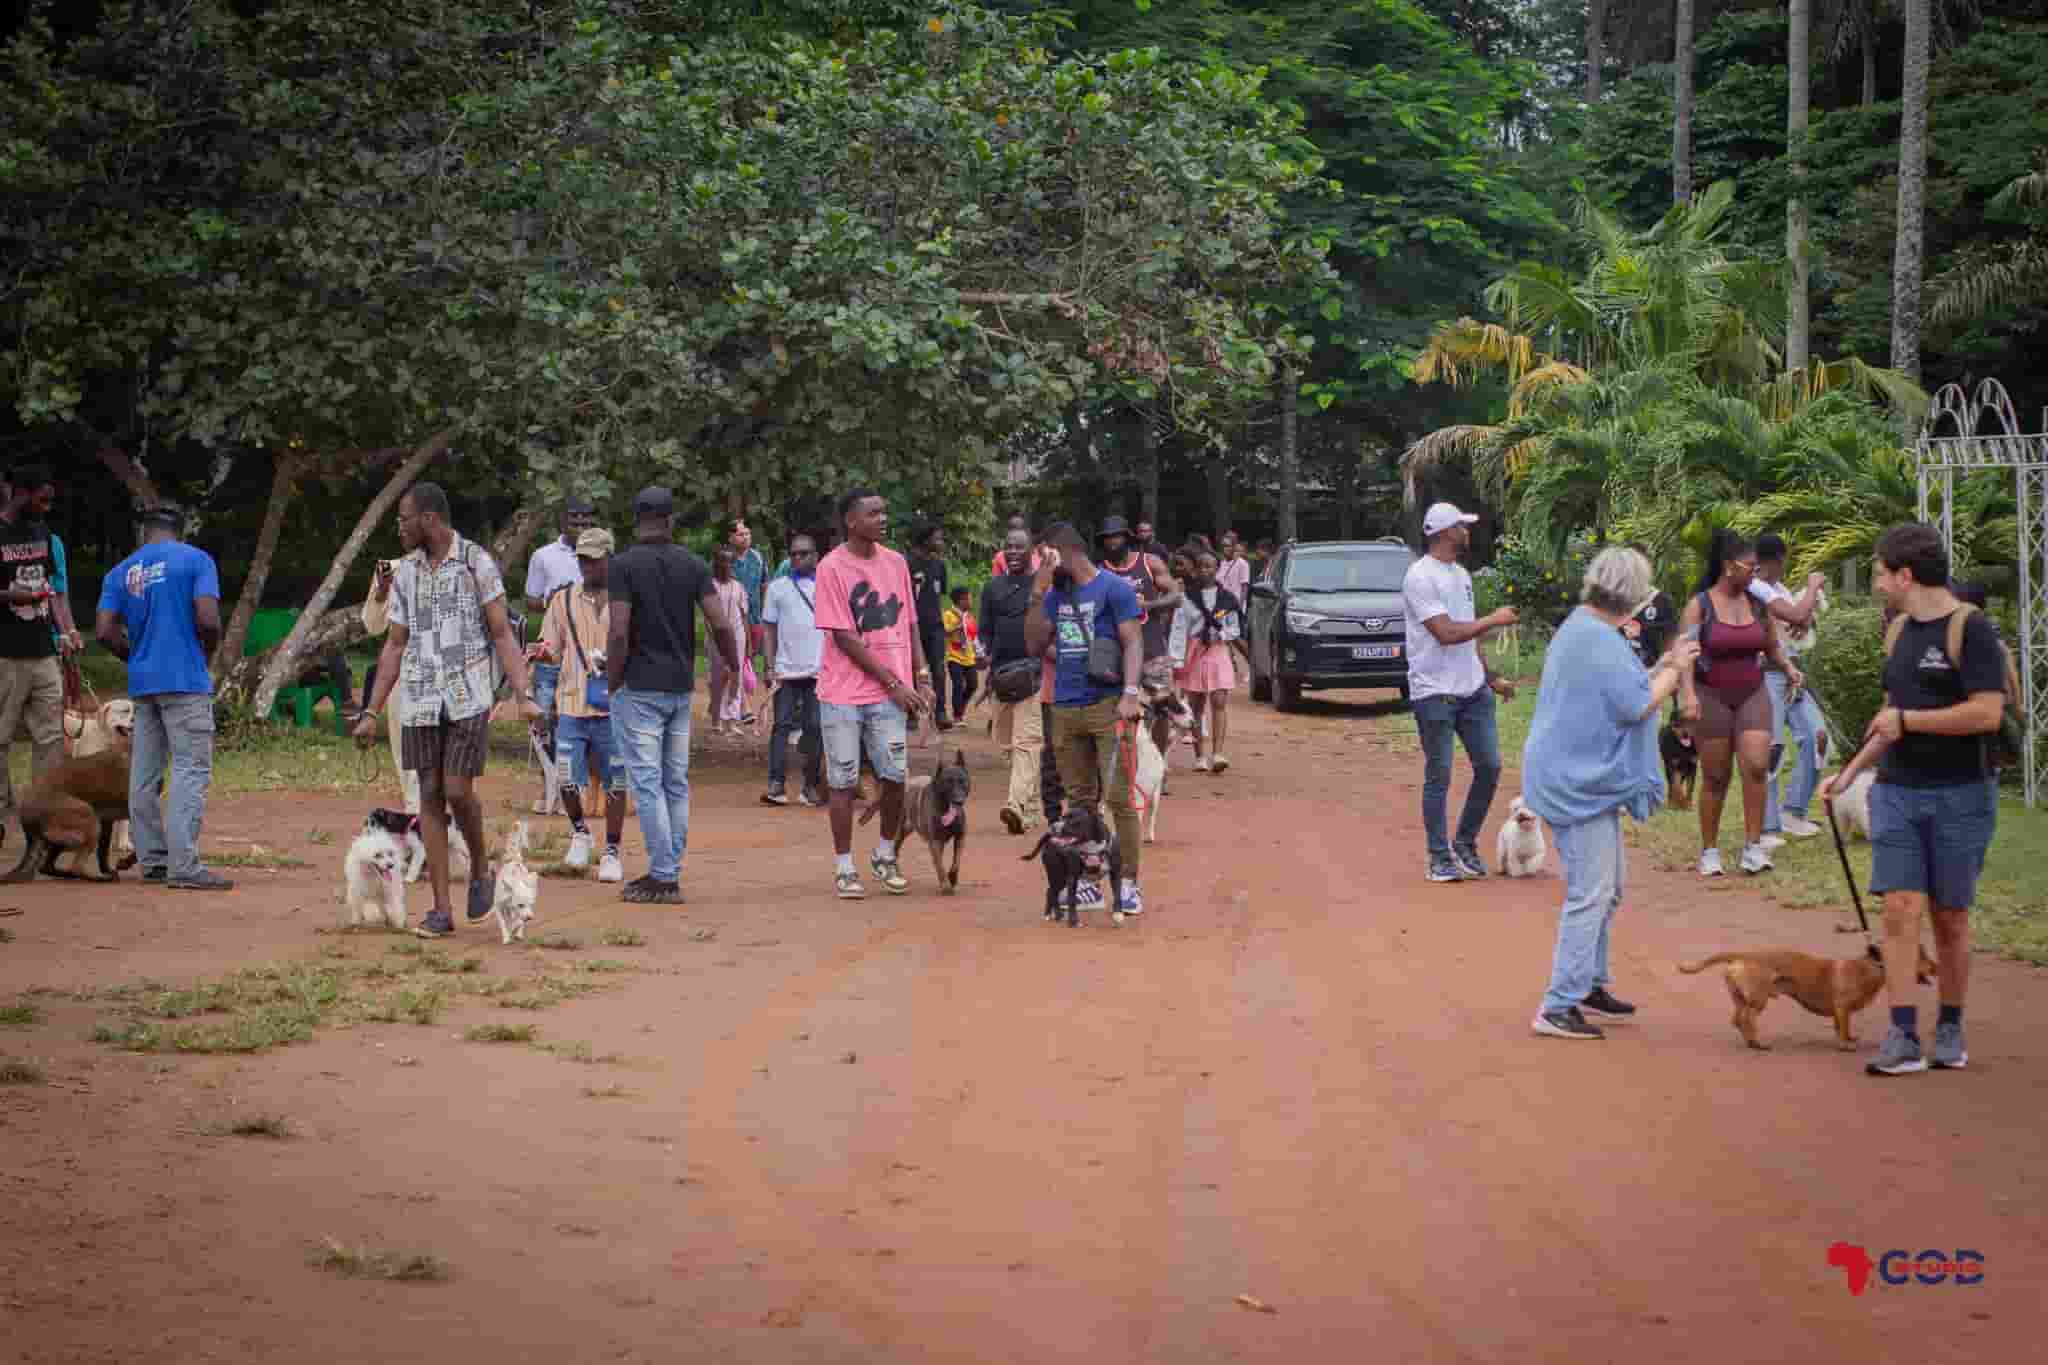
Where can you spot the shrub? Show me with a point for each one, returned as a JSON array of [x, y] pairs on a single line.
[[1523, 576], [1845, 668]]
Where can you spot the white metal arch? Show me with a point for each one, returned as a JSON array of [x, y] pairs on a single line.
[[1955, 437]]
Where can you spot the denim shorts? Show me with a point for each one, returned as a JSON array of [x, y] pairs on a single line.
[[546, 677], [878, 728], [581, 739], [1932, 839]]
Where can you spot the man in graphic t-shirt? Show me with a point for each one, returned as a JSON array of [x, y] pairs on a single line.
[[1077, 604], [34, 618], [1452, 687], [1934, 806], [873, 654]]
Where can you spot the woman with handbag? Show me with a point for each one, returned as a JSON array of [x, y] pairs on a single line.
[[573, 636], [1212, 621]]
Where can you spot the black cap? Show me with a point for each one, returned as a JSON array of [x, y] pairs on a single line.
[[653, 502], [163, 514], [1061, 534], [576, 504], [1113, 526]]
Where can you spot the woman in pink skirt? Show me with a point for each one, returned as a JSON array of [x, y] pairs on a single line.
[[1213, 620]]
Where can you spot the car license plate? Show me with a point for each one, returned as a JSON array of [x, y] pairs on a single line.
[[1376, 651]]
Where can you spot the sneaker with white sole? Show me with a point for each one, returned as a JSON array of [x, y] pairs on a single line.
[[846, 885], [1755, 859], [609, 869], [578, 856], [1219, 764], [888, 874], [1710, 862], [1949, 1052], [1202, 764], [1798, 826], [1129, 900], [1897, 1055], [1445, 870], [1087, 896], [1771, 841], [1564, 1024]]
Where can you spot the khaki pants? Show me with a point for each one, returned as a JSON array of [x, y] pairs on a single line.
[[1020, 732], [31, 698], [1084, 742]]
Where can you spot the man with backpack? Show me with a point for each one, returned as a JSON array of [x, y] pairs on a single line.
[[1934, 806]]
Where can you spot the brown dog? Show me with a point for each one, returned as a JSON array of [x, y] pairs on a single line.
[[935, 809], [75, 805], [1825, 986]]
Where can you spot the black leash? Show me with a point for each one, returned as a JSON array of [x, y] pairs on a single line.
[[1842, 851]]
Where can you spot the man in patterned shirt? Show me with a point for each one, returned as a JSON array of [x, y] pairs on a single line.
[[447, 619]]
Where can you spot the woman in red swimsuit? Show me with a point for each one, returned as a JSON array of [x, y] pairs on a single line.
[[1736, 634]]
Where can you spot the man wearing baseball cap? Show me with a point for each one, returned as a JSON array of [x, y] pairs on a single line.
[[572, 639], [1452, 688]]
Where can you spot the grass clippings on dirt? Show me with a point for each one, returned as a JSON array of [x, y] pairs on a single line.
[[500, 1033], [370, 1263], [563, 943], [20, 1016], [260, 858], [253, 1125], [606, 1092], [622, 938], [14, 1071]]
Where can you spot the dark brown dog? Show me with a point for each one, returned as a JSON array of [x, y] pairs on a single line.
[[935, 809], [1825, 986], [1681, 762], [75, 805]]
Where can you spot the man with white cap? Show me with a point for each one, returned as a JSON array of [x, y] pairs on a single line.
[[1452, 688]]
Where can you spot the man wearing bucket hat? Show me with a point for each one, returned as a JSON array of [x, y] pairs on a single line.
[[1452, 689]]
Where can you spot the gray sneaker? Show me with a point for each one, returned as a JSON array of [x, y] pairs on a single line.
[[1898, 1055], [1949, 1053], [1469, 862], [1445, 870]]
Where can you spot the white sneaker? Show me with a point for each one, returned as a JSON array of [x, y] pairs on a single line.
[[1219, 764], [1798, 826], [579, 850], [1769, 842], [1710, 862], [1755, 859], [1128, 899], [1202, 764], [608, 869]]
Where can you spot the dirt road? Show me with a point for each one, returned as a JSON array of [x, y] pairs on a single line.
[[926, 1129]]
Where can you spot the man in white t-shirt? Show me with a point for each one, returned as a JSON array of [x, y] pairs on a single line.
[[795, 645], [1794, 613], [1452, 689]]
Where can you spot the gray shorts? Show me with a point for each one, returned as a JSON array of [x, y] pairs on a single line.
[[879, 729], [1932, 839]]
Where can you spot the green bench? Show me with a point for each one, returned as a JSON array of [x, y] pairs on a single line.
[[267, 629]]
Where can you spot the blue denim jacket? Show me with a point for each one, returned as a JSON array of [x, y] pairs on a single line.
[[1587, 752]]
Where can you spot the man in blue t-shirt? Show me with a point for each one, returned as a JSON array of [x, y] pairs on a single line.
[[1073, 605], [160, 610]]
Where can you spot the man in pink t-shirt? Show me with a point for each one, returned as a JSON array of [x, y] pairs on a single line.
[[867, 610]]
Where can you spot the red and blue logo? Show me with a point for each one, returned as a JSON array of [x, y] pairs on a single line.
[[1898, 1267]]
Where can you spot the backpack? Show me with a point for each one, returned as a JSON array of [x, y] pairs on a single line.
[[2004, 745]]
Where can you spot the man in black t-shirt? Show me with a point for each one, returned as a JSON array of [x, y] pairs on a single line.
[[1934, 806], [31, 679], [927, 561], [1019, 726], [650, 661]]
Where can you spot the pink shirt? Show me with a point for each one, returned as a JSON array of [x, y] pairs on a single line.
[[874, 597], [1236, 575]]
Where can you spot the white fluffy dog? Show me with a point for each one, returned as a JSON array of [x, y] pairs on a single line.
[[518, 888], [1520, 849], [375, 890], [1852, 805]]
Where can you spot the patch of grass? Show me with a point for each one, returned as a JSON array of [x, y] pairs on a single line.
[[604, 964], [581, 1052], [441, 962], [130, 1037], [16, 1072], [622, 938], [562, 871], [566, 943], [258, 1125], [606, 1092], [255, 857], [20, 1016], [501, 1033], [321, 837], [368, 1263]]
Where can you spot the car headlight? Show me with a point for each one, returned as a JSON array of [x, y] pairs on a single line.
[[1306, 622]]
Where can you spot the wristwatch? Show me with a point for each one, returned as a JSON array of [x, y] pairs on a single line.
[[1132, 692]]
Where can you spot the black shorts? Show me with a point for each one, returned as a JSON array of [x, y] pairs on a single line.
[[454, 748]]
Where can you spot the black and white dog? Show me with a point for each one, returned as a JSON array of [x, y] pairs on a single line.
[[406, 829], [1080, 847]]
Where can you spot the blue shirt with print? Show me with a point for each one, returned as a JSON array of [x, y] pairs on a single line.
[[153, 592], [1079, 615]]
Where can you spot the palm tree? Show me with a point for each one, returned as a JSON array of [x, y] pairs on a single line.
[[1799, 65], [1909, 250], [1851, 490], [1681, 125], [2018, 275]]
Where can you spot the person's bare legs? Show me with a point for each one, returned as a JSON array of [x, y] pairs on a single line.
[[614, 818], [1717, 763], [434, 835], [840, 805], [1903, 911], [1753, 756], [1219, 720], [1952, 946], [1197, 703], [892, 810], [466, 813]]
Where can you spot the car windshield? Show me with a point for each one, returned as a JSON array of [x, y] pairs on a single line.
[[1347, 571]]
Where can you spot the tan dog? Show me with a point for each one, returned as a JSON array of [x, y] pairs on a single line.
[[1825, 986], [73, 806], [935, 809], [112, 726]]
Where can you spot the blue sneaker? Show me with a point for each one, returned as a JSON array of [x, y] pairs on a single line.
[[1898, 1055], [437, 924], [1949, 1053], [1445, 870], [1128, 899], [1087, 896], [479, 895]]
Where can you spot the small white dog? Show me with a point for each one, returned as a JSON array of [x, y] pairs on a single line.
[[1167, 716], [1852, 805], [375, 890], [518, 887], [1521, 849]]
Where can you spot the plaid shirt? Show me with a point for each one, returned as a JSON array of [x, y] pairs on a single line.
[[447, 672]]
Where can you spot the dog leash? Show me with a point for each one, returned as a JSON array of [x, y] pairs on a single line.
[[1127, 742], [1842, 851]]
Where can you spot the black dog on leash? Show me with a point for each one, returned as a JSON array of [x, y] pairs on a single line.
[[1681, 761], [1074, 850]]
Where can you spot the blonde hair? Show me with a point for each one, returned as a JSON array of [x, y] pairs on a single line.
[[1617, 580]]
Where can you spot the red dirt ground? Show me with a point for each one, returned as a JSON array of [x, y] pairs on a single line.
[[933, 1129]]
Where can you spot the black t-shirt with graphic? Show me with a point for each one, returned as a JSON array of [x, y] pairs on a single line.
[[663, 584], [928, 582], [26, 561], [1919, 676]]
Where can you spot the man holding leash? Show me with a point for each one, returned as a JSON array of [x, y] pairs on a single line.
[[573, 636], [1934, 806], [789, 620], [448, 618], [1452, 688]]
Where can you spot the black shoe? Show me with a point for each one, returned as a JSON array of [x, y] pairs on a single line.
[[1564, 1024], [202, 880], [1600, 1002], [647, 891], [479, 894], [156, 874]]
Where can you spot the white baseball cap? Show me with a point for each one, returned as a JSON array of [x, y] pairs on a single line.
[[1443, 516]]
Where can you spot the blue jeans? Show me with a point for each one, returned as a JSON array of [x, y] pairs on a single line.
[[651, 736], [174, 728], [1470, 720], [1592, 856], [582, 740], [878, 728], [1805, 720]]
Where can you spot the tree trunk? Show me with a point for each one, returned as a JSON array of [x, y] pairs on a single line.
[[336, 629], [515, 536], [1349, 480], [1869, 45], [284, 477], [280, 665], [1681, 126], [1798, 319], [1907, 255], [1218, 470], [131, 476], [1148, 469], [1596, 47], [1290, 454]]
